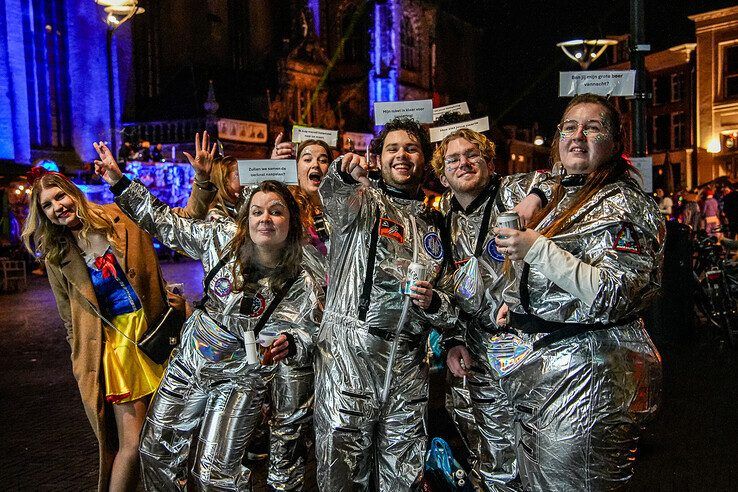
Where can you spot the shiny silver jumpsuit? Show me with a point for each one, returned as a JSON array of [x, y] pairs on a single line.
[[580, 398], [208, 383], [491, 426], [360, 441]]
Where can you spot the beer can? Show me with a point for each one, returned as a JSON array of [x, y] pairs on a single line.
[[511, 220], [415, 273]]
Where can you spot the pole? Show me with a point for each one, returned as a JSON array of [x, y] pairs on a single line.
[[637, 63], [111, 91]]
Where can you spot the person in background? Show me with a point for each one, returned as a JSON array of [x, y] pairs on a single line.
[[106, 279], [711, 214], [665, 202], [583, 374], [157, 153]]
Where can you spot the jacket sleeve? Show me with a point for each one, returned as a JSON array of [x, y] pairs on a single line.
[[303, 327], [442, 313], [342, 196], [61, 294], [158, 219], [198, 201], [515, 187]]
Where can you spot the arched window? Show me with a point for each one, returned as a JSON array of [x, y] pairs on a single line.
[[409, 59], [356, 45]]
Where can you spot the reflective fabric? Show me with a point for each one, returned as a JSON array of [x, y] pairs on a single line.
[[224, 397], [353, 428]]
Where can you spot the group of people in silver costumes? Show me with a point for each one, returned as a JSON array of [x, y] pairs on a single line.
[[551, 372]]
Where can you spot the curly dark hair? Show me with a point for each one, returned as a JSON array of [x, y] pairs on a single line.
[[242, 247], [410, 126]]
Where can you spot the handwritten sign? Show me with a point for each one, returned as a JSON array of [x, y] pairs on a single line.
[[645, 167], [302, 133], [361, 141], [604, 83], [242, 131], [421, 111], [254, 171], [461, 108], [439, 133]]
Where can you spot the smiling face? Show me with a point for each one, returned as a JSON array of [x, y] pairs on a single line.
[[311, 167], [580, 153], [403, 163], [58, 207], [269, 220], [465, 171]]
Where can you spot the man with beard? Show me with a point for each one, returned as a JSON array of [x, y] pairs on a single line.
[[464, 163], [370, 430]]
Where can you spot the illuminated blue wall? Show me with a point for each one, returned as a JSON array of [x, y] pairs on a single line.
[[383, 74]]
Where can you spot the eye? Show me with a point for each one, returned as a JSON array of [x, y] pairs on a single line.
[[569, 127], [45, 205], [277, 212], [255, 212], [593, 128], [412, 149]]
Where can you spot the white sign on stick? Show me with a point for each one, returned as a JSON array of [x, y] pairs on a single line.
[[254, 171], [421, 111], [461, 108], [645, 167], [439, 133], [604, 83], [302, 133]]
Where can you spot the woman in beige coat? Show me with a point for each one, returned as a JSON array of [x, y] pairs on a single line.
[[80, 242]]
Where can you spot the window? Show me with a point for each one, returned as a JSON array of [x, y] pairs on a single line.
[[661, 89], [660, 132], [677, 87], [730, 71], [47, 74], [356, 44], [409, 48], [679, 129]]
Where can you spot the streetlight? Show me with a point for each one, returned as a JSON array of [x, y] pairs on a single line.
[[118, 13], [538, 140], [585, 51]]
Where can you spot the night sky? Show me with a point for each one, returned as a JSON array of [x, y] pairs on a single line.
[[524, 62]]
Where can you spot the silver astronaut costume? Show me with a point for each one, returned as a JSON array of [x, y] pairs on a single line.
[[581, 394], [495, 467], [209, 383], [291, 393], [361, 442]]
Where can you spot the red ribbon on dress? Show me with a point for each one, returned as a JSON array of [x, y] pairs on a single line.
[[106, 264]]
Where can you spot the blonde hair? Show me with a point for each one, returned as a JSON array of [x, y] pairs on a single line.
[[52, 241], [219, 178], [485, 145]]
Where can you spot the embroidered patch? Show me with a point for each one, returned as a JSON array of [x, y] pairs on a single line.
[[258, 306], [492, 251], [627, 240], [222, 287], [391, 229], [433, 246]]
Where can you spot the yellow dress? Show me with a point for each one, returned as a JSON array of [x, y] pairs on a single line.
[[129, 373]]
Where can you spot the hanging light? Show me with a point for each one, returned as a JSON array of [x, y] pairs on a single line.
[[585, 51]]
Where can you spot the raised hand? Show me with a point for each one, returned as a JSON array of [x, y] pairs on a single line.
[[356, 166], [282, 150], [202, 163], [107, 168]]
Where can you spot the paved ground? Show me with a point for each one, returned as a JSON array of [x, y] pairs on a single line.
[[47, 444]]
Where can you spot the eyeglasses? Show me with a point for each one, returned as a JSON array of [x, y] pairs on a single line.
[[590, 128], [453, 161]]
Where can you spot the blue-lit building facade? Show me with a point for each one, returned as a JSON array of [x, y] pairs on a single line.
[[272, 63]]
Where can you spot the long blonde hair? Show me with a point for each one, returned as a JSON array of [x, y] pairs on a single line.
[[219, 177], [50, 241]]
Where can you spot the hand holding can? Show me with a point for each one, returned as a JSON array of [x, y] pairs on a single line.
[[415, 273]]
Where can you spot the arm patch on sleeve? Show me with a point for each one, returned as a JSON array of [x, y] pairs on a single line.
[[627, 240]]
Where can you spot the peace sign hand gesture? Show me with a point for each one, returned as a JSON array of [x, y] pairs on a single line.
[[107, 168], [202, 163]]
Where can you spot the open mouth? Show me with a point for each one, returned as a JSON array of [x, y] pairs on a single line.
[[403, 168], [578, 150], [315, 177], [63, 215]]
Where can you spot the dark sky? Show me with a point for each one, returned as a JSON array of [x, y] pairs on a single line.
[[524, 62]]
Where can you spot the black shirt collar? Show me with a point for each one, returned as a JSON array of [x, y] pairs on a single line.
[[574, 179], [398, 193], [488, 192]]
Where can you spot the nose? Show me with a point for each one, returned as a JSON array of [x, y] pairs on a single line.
[[579, 133]]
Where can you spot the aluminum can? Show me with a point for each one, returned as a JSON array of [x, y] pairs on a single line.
[[415, 273], [511, 220]]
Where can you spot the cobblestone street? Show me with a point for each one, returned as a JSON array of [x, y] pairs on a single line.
[[46, 442]]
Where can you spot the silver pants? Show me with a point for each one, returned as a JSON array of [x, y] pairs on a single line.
[[460, 410], [578, 406], [360, 443], [222, 399], [290, 426]]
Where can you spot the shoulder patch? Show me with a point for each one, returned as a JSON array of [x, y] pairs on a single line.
[[433, 246], [258, 306], [391, 229], [627, 240], [492, 251]]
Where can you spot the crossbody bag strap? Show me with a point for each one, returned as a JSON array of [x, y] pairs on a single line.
[[366, 291], [209, 278], [484, 226], [107, 321], [278, 296]]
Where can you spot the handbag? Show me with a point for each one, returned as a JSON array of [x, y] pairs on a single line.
[[161, 337], [442, 471]]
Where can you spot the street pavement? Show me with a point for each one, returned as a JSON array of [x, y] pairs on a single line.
[[46, 442]]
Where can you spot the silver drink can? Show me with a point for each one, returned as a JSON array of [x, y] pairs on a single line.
[[415, 273], [511, 220]]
